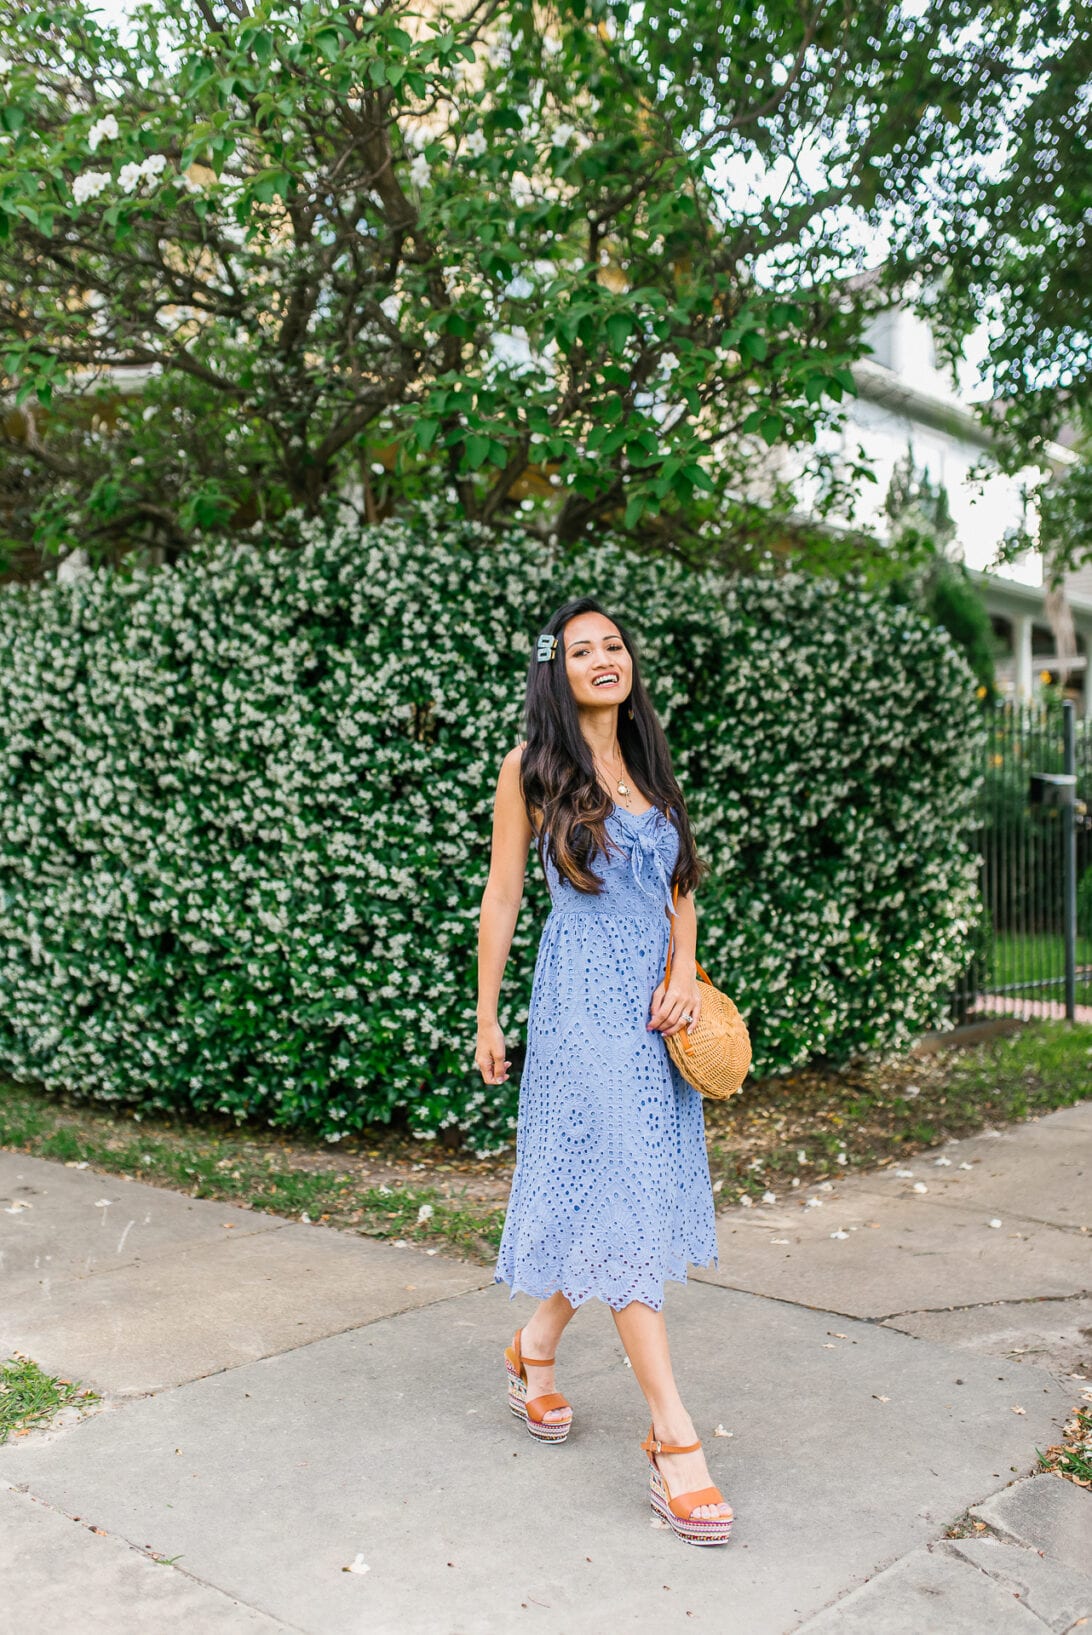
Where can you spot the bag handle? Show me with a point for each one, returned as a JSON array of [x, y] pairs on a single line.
[[671, 939]]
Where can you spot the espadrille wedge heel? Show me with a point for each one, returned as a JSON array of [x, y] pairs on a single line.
[[677, 1512], [532, 1413]]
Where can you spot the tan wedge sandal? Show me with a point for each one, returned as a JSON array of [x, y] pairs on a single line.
[[677, 1512], [532, 1412]]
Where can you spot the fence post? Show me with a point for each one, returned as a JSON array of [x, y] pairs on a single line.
[[1069, 879]]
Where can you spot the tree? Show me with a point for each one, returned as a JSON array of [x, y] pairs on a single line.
[[580, 256], [1009, 248]]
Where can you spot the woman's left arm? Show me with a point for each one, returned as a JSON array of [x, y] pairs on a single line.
[[682, 997]]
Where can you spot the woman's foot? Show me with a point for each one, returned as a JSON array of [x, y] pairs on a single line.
[[686, 1472], [540, 1381]]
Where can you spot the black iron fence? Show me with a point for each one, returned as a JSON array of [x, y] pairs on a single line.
[[1032, 956]]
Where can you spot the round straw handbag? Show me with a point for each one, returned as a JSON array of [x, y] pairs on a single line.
[[715, 1054]]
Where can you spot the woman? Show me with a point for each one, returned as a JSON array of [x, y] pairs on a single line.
[[611, 1191]]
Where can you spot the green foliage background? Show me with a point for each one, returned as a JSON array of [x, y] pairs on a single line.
[[248, 804]]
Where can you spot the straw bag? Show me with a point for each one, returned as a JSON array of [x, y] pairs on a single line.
[[715, 1054]]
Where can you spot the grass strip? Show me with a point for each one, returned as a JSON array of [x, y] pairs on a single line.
[[811, 1125], [817, 1124], [233, 1170], [28, 1396]]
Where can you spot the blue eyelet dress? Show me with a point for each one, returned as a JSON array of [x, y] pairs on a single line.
[[611, 1191]]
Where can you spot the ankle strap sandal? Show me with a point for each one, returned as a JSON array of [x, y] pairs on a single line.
[[677, 1511], [533, 1412]]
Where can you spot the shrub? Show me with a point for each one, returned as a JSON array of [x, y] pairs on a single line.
[[248, 802]]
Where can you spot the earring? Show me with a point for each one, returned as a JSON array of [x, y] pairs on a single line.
[[629, 712]]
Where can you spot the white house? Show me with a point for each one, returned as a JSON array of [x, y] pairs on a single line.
[[906, 401]]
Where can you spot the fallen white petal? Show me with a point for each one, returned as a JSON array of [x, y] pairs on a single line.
[[919, 1186], [357, 1565], [779, 1240], [769, 1198], [943, 1163], [103, 1203], [826, 1186], [906, 1174], [813, 1203], [839, 1234], [305, 1218], [720, 1431], [995, 1222], [746, 1203], [424, 1214], [966, 1166]]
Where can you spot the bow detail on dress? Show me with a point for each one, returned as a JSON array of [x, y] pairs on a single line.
[[647, 866]]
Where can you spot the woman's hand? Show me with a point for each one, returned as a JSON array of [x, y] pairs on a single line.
[[489, 1054], [671, 1005]]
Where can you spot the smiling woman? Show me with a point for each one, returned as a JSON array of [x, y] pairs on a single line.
[[611, 1192]]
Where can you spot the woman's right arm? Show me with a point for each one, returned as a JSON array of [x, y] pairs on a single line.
[[501, 899]]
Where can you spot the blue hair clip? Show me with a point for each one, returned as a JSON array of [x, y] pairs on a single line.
[[547, 647]]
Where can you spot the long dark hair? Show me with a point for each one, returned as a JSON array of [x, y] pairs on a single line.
[[558, 776]]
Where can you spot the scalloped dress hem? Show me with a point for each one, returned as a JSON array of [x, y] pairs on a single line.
[[576, 1300]]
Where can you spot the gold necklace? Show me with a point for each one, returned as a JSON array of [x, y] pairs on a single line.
[[623, 787]]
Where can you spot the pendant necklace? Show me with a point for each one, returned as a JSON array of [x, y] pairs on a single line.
[[623, 787]]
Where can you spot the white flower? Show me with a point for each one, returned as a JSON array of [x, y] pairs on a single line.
[[841, 1158], [476, 144], [424, 1214], [769, 1198], [563, 135], [420, 171], [107, 128], [130, 176], [89, 185]]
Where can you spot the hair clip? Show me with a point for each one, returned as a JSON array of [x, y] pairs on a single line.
[[547, 646]]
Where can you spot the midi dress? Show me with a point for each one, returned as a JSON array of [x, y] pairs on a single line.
[[611, 1192]]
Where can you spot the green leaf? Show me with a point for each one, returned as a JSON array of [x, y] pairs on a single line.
[[619, 325], [328, 41], [425, 433], [475, 451]]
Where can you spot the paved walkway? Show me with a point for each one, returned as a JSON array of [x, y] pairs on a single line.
[[284, 1402]]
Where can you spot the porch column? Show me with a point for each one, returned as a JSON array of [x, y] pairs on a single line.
[[1021, 652]]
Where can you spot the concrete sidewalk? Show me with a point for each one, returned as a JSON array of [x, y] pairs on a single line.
[[283, 1402]]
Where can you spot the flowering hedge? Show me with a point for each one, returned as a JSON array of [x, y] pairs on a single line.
[[247, 806]]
